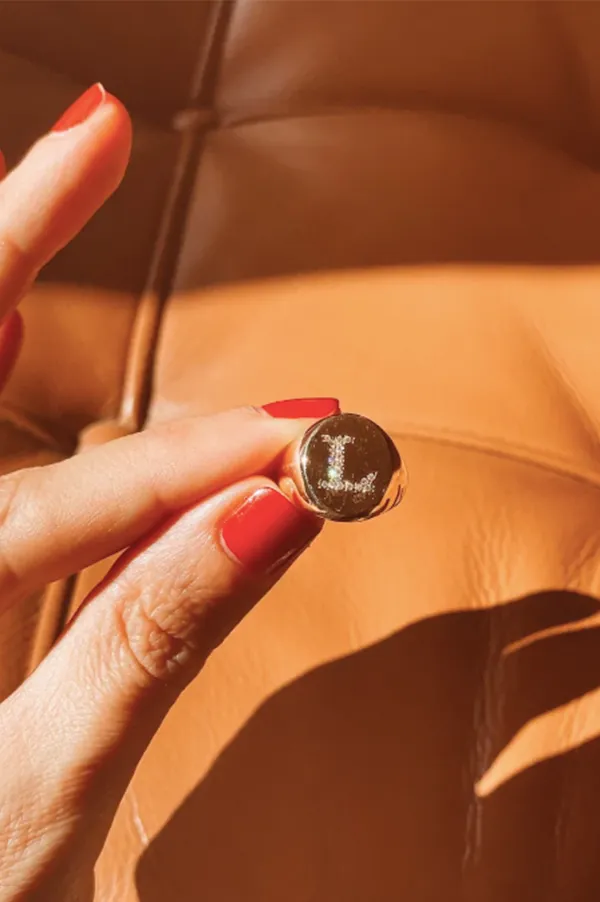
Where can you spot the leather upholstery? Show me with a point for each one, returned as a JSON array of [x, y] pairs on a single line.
[[413, 713]]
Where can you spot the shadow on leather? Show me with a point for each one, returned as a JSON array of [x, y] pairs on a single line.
[[356, 782]]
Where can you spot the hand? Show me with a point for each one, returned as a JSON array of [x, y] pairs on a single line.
[[203, 535]]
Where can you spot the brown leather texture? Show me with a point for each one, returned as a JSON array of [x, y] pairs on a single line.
[[396, 203]]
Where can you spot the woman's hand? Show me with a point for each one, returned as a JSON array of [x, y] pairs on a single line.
[[203, 538]]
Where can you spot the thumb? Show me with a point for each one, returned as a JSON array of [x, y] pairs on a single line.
[[81, 722]]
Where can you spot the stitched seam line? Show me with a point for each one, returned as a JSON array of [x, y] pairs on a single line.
[[520, 128], [495, 447]]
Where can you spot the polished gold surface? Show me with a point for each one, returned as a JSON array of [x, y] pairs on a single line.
[[345, 468]]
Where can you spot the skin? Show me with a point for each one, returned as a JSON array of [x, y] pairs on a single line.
[[74, 732]]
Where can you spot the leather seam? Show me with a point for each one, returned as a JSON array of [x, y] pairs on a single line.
[[521, 454], [524, 129], [60, 75], [564, 386]]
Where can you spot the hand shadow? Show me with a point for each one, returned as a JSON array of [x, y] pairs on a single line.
[[356, 782]]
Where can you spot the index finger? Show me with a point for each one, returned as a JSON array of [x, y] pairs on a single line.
[[59, 519], [58, 186]]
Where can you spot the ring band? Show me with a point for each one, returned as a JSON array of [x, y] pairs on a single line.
[[344, 468]]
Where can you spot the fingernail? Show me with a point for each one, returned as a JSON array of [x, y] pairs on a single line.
[[298, 408], [266, 530], [82, 109]]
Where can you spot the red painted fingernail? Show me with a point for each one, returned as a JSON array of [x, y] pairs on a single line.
[[82, 109], [297, 408], [267, 530]]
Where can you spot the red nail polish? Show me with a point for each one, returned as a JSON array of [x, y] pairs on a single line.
[[297, 408], [267, 530], [82, 109]]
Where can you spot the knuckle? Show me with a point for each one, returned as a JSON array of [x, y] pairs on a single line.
[[155, 626], [154, 651]]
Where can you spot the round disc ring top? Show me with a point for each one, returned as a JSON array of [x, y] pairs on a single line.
[[350, 468]]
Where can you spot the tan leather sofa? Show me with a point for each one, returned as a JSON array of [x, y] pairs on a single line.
[[397, 203]]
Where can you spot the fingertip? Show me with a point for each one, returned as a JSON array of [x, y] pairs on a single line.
[[107, 148], [65, 178], [95, 109], [97, 127], [120, 128]]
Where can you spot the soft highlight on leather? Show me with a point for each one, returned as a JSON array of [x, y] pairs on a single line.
[[393, 203]]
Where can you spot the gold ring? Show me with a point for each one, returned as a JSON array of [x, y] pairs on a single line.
[[344, 468]]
